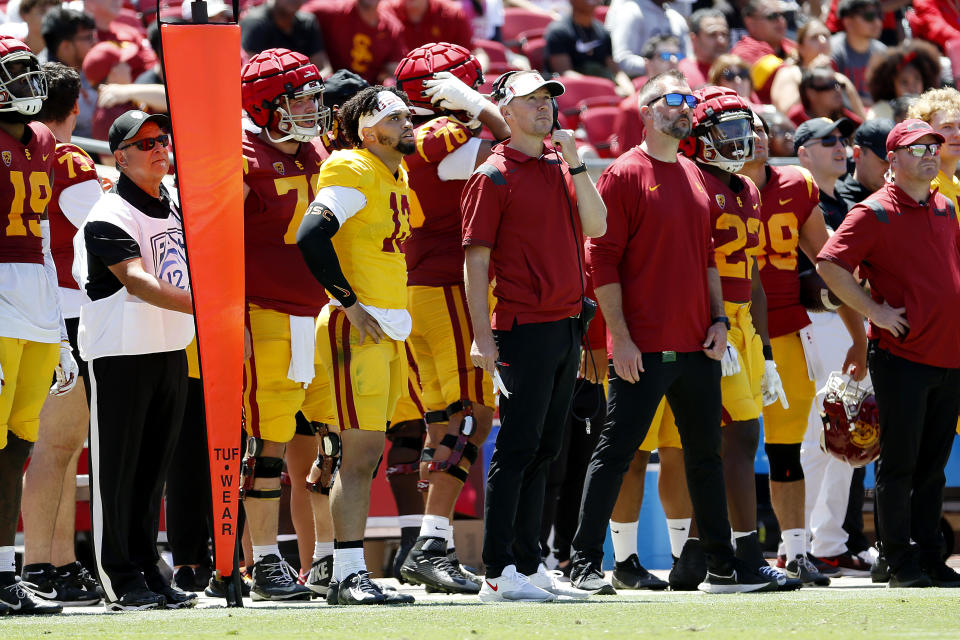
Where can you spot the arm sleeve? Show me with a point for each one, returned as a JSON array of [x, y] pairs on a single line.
[[344, 202], [77, 200], [853, 240], [314, 238], [109, 242], [603, 254], [460, 164]]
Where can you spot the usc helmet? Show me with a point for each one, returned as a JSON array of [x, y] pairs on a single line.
[[421, 63], [23, 85], [851, 423], [722, 129], [270, 80]]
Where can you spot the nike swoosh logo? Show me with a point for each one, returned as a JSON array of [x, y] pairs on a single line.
[[654, 187], [49, 596], [491, 586], [783, 202], [45, 156], [614, 531], [587, 47], [832, 563], [678, 528]]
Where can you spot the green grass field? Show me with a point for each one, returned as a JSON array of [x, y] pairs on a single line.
[[850, 610]]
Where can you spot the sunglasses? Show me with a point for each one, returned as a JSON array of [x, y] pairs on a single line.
[[920, 149], [735, 74], [834, 86], [147, 144], [870, 15], [677, 99], [670, 56], [777, 15], [828, 141]]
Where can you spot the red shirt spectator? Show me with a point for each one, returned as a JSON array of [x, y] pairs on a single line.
[[935, 21], [889, 235], [352, 42], [426, 21]]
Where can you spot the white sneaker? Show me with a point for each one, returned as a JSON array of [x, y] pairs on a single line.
[[512, 587], [552, 582]]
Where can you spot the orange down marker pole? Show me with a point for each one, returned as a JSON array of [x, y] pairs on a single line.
[[202, 69]]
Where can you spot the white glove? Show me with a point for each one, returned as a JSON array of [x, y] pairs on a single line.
[[771, 387], [449, 92], [1, 377], [729, 363], [67, 372]]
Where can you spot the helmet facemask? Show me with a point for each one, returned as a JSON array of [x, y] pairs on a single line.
[[301, 127], [23, 85], [727, 140]]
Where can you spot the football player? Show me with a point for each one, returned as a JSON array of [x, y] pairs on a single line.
[[441, 80], [282, 95], [33, 338], [791, 220], [49, 488], [352, 237]]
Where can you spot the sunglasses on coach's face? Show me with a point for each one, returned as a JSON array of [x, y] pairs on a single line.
[[147, 144], [920, 149], [677, 99]]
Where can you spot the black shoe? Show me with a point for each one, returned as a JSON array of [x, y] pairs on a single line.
[[273, 579], [910, 576], [880, 571], [630, 574], [690, 569], [427, 564], [137, 600], [943, 576], [467, 572], [587, 577], [802, 569], [748, 551], [333, 592], [738, 578], [46, 582], [18, 600], [175, 597], [189, 578], [408, 538], [77, 575], [217, 587], [321, 572], [358, 588]]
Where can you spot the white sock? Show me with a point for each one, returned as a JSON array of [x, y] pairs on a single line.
[[624, 535], [8, 560], [435, 526], [451, 545], [265, 550], [679, 530], [322, 550], [794, 541], [347, 561], [411, 520]]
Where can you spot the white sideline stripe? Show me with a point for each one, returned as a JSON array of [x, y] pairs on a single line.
[[96, 502]]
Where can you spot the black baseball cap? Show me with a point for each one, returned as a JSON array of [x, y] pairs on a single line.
[[872, 135], [820, 127], [128, 124]]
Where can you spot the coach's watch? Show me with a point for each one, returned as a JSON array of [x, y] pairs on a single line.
[[724, 319], [574, 171]]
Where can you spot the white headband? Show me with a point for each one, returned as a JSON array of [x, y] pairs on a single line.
[[388, 103]]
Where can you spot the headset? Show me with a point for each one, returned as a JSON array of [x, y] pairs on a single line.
[[588, 307]]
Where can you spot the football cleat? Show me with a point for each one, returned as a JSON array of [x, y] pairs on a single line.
[[358, 588], [137, 600], [690, 569], [739, 578], [18, 600], [513, 586], [47, 583], [467, 572], [273, 580], [551, 582], [427, 564], [318, 579], [630, 574], [588, 577], [804, 570]]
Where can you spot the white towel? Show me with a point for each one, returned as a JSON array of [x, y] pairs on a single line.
[[303, 334], [815, 369]]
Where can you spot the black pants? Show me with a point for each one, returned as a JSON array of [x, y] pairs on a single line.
[[853, 522], [561, 502], [539, 369], [692, 386], [918, 406], [135, 415], [187, 498]]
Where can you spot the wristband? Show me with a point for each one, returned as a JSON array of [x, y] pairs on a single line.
[[578, 170], [724, 319], [767, 352]]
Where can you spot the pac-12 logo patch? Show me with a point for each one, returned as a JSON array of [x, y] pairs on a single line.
[[278, 167], [721, 200], [7, 157], [170, 257]]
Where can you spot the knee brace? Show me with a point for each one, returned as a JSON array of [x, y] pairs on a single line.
[[255, 465], [405, 435], [328, 459], [784, 462]]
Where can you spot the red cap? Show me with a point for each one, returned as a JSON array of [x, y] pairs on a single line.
[[104, 56], [908, 132]]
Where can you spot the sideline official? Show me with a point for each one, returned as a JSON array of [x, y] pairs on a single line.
[[905, 239], [526, 208], [131, 259]]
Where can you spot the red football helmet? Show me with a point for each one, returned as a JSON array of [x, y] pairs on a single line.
[[851, 423], [722, 129], [23, 85], [421, 63], [270, 80]]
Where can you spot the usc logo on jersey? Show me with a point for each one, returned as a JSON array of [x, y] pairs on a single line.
[[7, 157], [721, 200], [360, 55]]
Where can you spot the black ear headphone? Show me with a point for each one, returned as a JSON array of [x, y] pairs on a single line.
[[499, 91]]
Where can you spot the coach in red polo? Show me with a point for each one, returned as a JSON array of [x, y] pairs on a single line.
[[527, 207], [905, 241]]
